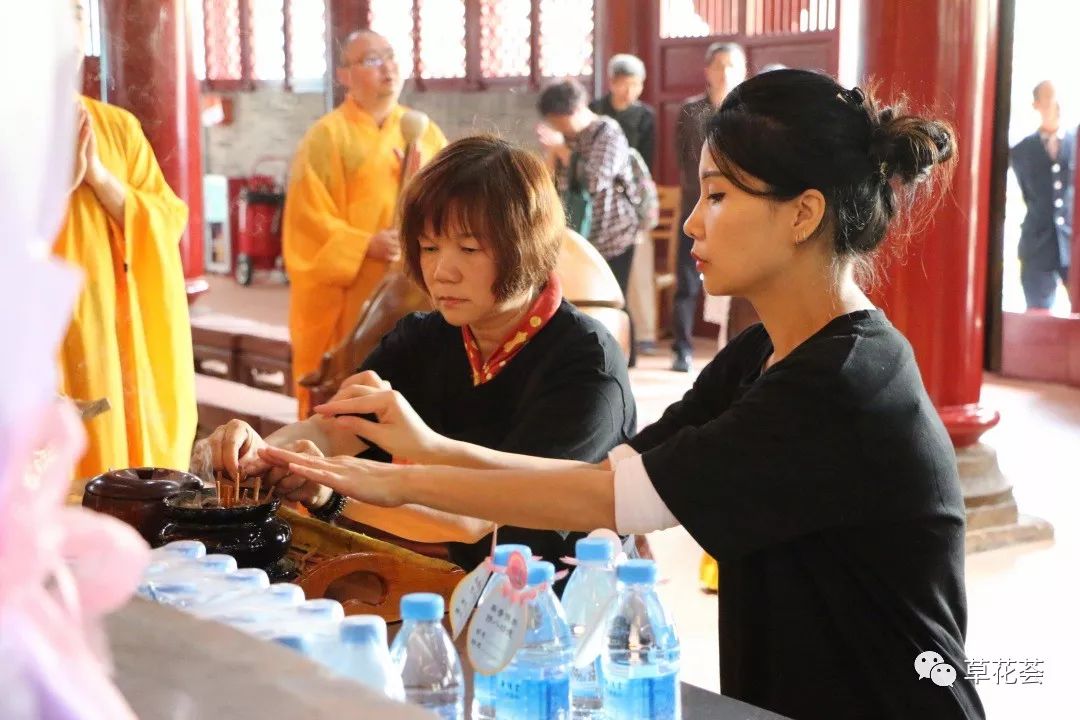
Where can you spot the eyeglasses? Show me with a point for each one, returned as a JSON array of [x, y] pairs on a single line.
[[373, 60]]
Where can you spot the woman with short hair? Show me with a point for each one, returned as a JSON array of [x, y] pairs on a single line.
[[503, 362]]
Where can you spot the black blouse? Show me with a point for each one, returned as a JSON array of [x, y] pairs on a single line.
[[827, 489], [566, 394]]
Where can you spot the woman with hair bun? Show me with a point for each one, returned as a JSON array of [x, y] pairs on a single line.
[[807, 458]]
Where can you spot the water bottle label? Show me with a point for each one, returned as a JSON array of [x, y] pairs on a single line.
[[466, 595], [496, 632], [656, 698], [592, 638], [534, 699]]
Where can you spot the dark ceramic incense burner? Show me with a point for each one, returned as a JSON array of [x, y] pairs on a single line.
[[253, 534], [137, 495]]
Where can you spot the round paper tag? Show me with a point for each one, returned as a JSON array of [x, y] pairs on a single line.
[[497, 631], [466, 595]]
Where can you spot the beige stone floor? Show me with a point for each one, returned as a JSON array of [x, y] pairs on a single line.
[[1021, 600]]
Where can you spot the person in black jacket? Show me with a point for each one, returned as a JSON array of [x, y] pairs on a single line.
[[807, 458], [1043, 163]]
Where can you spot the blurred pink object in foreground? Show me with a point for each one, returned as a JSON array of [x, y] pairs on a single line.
[[61, 567]]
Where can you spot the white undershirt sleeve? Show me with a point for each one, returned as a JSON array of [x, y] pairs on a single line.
[[638, 507]]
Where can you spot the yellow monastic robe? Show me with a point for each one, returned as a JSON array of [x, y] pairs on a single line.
[[343, 189], [130, 338]]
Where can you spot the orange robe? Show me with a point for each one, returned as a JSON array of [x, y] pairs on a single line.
[[130, 338], [343, 188]]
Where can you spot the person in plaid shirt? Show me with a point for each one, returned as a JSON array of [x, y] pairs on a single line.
[[603, 169]]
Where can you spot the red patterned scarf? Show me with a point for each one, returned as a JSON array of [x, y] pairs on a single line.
[[534, 321]]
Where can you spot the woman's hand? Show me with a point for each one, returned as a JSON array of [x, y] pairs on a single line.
[[364, 480], [397, 428], [294, 487], [234, 447]]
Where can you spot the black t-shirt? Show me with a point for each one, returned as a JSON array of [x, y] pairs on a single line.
[[566, 394], [826, 487]]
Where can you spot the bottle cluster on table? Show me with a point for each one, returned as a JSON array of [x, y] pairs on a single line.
[[629, 670]]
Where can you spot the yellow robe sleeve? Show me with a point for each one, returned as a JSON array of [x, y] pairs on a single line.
[[154, 221], [320, 243]]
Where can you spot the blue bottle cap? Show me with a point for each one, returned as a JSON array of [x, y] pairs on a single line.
[[594, 549], [248, 577], [217, 563], [299, 643], [503, 552], [363, 629], [422, 606], [286, 593], [636, 571], [184, 548], [322, 608], [177, 588], [541, 571]]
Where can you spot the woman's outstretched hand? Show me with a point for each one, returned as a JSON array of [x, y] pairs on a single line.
[[392, 424], [364, 480]]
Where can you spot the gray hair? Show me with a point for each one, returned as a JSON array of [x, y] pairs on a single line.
[[624, 64], [731, 48]]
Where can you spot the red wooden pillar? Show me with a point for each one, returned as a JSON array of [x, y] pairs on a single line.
[[941, 54], [148, 58]]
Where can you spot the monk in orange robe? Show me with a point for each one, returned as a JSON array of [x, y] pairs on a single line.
[[338, 230], [130, 337]]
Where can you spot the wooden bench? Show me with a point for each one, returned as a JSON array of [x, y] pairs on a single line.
[[222, 400], [244, 351]]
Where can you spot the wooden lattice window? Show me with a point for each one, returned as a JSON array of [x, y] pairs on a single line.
[[393, 19], [703, 18], [92, 28], [239, 43], [476, 43], [505, 38]]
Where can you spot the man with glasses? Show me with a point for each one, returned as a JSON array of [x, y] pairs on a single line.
[[338, 230]]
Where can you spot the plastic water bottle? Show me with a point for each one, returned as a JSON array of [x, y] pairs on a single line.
[[641, 656], [178, 550], [297, 643], [319, 619], [426, 659], [362, 655], [280, 596], [483, 703], [212, 588], [536, 683], [590, 587], [183, 570]]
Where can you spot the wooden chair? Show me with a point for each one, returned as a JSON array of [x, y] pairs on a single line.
[[666, 237]]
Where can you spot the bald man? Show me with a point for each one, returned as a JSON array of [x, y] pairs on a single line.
[[338, 228]]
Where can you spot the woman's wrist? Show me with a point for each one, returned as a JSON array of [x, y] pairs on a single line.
[[440, 450], [321, 498]]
